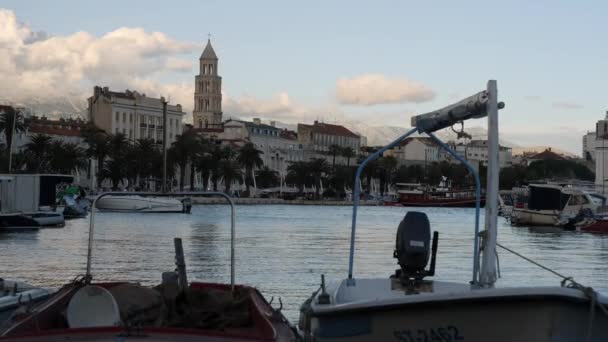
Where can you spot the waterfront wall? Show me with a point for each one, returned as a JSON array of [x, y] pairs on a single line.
[[252, 201]]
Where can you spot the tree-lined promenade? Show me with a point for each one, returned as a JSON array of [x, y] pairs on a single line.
[[137, 164]]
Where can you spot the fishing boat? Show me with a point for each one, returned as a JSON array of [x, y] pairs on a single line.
[[16, 294], [143, 204], [419, 195], [549, 204], [408, 306], [175, 310]]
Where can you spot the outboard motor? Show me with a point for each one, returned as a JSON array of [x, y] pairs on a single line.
[[413, 248]]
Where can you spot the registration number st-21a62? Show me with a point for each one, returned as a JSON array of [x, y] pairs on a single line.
[[442, 334]]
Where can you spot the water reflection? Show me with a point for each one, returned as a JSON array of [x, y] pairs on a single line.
[[283, 250]]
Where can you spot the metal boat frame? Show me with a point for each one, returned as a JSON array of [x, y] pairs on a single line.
[[88, 276]]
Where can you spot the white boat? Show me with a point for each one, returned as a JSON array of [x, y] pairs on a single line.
[[407, 307], [143, 204], [549, 204], [505, 203], [14, 294]]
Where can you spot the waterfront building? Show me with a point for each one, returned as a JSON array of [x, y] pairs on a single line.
[[601, 153], [415, 150], [133, 114], [317, 138], [477, 151], [279, 146], [589, 146], [207, 111]]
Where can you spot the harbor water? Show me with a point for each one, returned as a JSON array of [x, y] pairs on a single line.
[[284, 249]]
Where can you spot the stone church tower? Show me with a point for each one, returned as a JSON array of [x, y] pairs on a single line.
[[207, 111]]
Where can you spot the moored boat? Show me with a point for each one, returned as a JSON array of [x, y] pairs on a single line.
[[15, 222], [409, 307], [143, 204], [549, 204], [418, 195], [47, 218], [175, 310]]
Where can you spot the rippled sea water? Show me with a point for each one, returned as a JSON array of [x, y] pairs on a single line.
[[284, 249]]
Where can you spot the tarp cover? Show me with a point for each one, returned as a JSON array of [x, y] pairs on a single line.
[[48, 188], [546, 198]]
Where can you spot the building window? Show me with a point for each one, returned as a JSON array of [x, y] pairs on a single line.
[[117, 116], [124, 117], [210, 69], [130, 118]]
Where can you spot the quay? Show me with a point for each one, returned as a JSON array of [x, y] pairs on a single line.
[[252, 201]]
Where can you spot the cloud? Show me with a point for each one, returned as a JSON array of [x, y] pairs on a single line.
[[280, 107], [372, 89], [567, 105], [35, 67]]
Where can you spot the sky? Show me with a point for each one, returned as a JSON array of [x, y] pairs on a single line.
[[376, 62]]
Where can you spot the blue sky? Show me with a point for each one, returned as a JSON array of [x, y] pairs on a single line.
[[550, 57]]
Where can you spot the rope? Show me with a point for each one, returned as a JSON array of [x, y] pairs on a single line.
[[570, 283]]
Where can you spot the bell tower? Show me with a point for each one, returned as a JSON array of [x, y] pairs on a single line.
[[207, 111]]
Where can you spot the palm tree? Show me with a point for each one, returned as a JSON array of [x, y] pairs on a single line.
[[11, 121], [387, 167], [318, 167], [145, 152], [38, 150], [249, 158], [298, 173], [118, 145], [348, 153], [230, 170], [183, 150], [201, 147], [67, 158], [267, 177], [114, 170], [99, 147], [334, 150]]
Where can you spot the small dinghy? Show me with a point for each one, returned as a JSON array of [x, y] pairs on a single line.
[[174, 310], [47, 218], [409, 307]]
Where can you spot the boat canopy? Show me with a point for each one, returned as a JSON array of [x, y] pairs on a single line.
[[547, 198]]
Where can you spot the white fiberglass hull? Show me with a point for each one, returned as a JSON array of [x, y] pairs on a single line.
[[527, 217], [453, 313], [140, 204]]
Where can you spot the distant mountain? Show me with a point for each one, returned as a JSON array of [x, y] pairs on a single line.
[[67, 106]]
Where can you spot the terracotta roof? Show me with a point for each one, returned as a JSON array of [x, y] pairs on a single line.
[[52, 130], [329, 129], [548, 155], [207, 130], [287, 134]]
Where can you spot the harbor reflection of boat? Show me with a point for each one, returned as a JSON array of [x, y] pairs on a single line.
[[419, 195], [549, 204], [175, 310], [144, 204], [408, 307]]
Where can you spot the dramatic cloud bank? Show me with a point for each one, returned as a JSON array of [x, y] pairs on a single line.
[[372, 89], [36, 66]]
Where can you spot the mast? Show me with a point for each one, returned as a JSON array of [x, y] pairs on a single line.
[[488, 263], [164, 186]]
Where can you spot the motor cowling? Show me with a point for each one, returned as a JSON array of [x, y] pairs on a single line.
[[412, 248]]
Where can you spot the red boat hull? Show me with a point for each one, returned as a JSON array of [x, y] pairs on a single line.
[[47, 323], [598, 226]]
